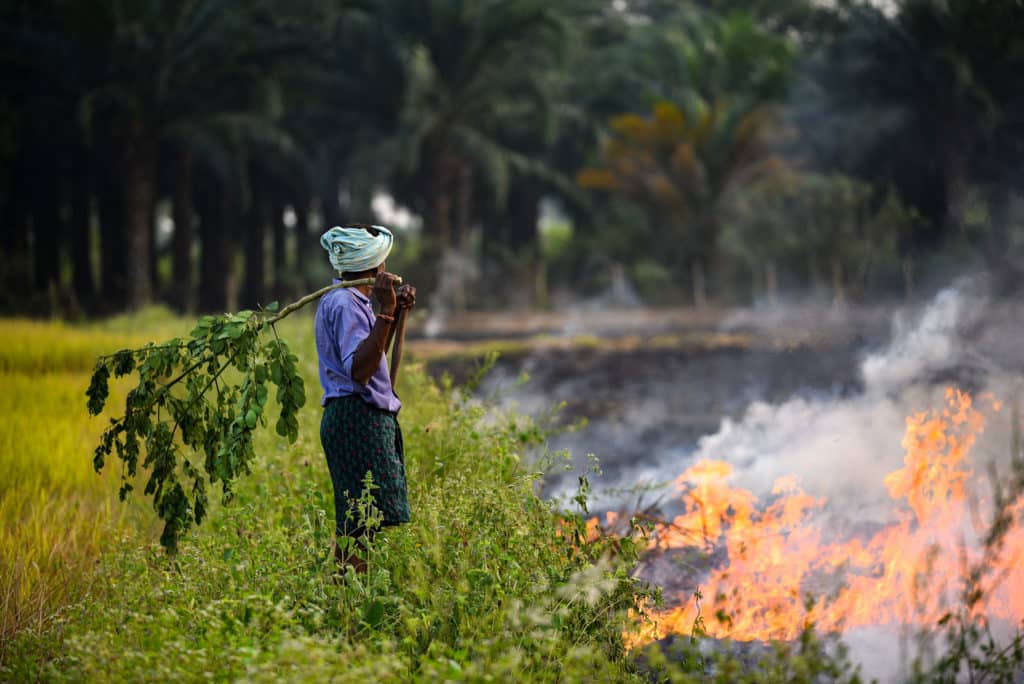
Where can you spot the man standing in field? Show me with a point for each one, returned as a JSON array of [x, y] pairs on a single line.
[[359, 430]]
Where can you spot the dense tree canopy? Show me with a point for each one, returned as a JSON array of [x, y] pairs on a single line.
[[189, 152]]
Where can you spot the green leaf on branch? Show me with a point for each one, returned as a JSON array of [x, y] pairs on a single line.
[[184, 403], [124, 363], [98, 389]]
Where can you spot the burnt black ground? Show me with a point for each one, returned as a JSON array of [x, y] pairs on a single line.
[[639, 402], [651, 391]]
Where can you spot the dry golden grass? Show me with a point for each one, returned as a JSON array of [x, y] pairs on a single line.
[[56, 513]]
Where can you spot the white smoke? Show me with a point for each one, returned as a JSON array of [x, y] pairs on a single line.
[[841, 447], [457, 270], [918, 347]]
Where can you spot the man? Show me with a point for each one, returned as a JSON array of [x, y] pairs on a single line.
[[359, 430]]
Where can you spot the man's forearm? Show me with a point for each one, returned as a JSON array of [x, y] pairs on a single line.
[[369, 353]]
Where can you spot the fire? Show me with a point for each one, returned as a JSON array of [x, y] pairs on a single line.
[[780, 553]]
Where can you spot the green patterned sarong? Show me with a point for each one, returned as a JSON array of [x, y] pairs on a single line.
[[358, 438]]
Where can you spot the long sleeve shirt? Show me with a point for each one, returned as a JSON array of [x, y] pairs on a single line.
[[344, 318]]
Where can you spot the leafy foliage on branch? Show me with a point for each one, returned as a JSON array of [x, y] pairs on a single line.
[[192, 414]]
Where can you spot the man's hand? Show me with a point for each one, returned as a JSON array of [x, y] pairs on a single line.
[[406, 297], [384, 292]]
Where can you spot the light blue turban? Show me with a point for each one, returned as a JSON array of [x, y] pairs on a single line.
[[356, 249]]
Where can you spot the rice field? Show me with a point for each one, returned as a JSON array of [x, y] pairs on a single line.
[[56, 513]]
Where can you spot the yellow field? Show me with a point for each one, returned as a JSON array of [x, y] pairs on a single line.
[[56, 513]]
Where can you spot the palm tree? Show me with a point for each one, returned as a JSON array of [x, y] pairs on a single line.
[[718, 79], [176, 70], [999, 163], [713, 131], [48, 190], [916, 96], [473, 66], [778, 16], [699, 52], [682, 165], [342, 102]]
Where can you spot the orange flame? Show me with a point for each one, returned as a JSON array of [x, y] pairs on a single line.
[[909, 572]]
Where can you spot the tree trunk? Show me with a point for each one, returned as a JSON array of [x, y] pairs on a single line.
[[183, 273], [757, 287], [82, 281], [436, 243], [838, 291], [908, 278], [254, 240], [437, 176], [705, 262], [215, 239], [1005, 278], [113, 261], [279, 263], [330, 205], [13, 237], [1000, 198], [956, 177], [18, 278], [700, 294], [814, 271], [523, 242], [439, 212], [463, 204], [771, 283], [492, 240], [46, 234], [306, 245], [139, 203]]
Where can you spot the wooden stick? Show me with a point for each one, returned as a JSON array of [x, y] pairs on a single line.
[[312, 297], [396, 350]]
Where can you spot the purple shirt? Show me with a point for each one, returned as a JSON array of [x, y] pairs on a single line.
[[344, 319]]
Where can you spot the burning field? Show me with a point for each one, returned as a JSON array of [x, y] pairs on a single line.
[[876, 515], [785, 568], [864, 490]]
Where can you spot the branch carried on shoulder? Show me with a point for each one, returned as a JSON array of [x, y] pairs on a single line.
[[189, 422]]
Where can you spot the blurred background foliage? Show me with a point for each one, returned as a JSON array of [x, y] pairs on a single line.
[[528, 153]]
